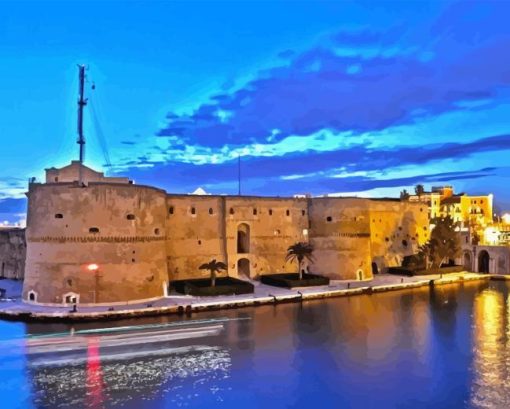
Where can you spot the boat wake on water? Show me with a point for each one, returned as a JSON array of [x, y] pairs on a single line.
[[118, 343]]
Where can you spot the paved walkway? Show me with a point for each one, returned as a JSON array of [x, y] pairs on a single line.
[[14, 308]]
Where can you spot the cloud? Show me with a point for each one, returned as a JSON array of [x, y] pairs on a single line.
[[314, 165], [357, 82]]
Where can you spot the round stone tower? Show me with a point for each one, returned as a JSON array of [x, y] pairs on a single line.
[[102, 243]]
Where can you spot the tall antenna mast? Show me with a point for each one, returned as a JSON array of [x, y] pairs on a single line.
[[81, 103], [239, 173]]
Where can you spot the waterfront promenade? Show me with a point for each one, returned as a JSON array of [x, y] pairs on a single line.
[[12, 307]]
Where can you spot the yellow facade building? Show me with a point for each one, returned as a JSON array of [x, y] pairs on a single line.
[[474, 211]]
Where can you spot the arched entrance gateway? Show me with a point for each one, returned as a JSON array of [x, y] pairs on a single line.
[[243, 238], [243, 268], [466, 261], [483, 261]]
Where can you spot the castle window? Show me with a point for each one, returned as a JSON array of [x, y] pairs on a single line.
[[424, 227], [132, 260], [171, 210], [404, 243], [276, 232], [387, 239], [211, 211], [287, 212], [193, 210], [231, 211], [270, 212], [329, 219], [156, 231], [93, 230], [130, 217], [56, 178], [254, 212], [59, 216], [303, 212], [199, 242]]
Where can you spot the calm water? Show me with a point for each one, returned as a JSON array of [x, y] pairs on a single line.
[[448, 348]]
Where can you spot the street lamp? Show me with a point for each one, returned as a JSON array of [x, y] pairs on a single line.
[[94, 268]]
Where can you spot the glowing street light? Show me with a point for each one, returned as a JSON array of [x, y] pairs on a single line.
[[93, 267]]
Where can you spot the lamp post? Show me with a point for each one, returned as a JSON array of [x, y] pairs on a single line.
[[94, 268]]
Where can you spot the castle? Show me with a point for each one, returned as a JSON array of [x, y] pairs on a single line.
[[93, 239]]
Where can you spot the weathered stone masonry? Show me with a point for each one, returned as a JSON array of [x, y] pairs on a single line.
[[140, 238], [12, 253]]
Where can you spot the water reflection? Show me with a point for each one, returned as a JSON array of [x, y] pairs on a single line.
[[441, 347], [491, 362]]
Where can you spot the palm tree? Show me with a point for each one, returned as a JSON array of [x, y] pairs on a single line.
[[419, 190], [404, 195], [300, 251], [214, 267]]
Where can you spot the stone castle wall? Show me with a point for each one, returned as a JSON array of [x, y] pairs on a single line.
[[118, 228], [397, 229], [12, 253], [141, 238]]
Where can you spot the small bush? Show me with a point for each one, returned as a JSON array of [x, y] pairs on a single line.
[[202, 286]]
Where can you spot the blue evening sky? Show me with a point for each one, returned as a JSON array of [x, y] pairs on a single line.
[[354, 98]]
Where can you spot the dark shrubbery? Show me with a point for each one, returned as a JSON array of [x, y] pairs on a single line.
[[408, 271], [290, 280], [202, 286]]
